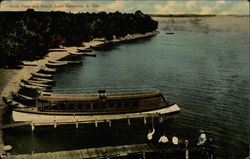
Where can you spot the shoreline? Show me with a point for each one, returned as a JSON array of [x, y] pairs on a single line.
[[12, 85], [55, 54], [128, 37]]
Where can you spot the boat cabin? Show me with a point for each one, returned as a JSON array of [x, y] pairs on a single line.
[[101, 102]]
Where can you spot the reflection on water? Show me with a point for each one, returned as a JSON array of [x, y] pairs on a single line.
[[203, 67]]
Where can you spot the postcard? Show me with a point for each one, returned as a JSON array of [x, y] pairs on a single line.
[[124, 79]]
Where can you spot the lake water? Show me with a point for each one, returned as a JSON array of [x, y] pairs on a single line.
[[203, 67]]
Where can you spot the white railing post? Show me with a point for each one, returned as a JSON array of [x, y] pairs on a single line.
[[76, 123], [129, 122], [110, 123], [55, 125], [32, 126], [96, 124], [160, 119], [145, 120], [186, 152]]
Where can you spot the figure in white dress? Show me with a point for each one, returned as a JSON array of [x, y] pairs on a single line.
[[150, 134]]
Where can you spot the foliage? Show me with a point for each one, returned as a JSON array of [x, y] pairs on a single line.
[[28, 35]]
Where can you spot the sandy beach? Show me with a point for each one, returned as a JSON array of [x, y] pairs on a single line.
[[14, 77], [12, 83]]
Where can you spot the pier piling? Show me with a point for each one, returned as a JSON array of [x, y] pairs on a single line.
[[129, 122], [96, 123], [32, 126], [76, 123], [55, 124], [186, 151], [145, 120], [160, 119], [109, 123]]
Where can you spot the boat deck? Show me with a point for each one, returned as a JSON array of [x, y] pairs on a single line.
[[113, 96], [43, 120]]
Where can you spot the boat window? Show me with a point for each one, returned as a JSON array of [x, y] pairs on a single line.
[[126, 104], [46, 108], [71, 107], [102, 105], [135, 103], [40, 108], [95, 106], [63, 106], [88, 106], [80, 106], [119, 104], [54, 107], [45, 103], [111, 105]]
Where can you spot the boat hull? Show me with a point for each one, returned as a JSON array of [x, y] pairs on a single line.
[[84, 50], [43, 117], [82, 54], [41, 75]]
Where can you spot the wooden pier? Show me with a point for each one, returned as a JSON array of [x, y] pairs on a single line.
[[5, 126], [102, 152], [56, 123]]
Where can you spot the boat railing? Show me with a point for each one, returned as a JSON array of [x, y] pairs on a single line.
[[108, 90]]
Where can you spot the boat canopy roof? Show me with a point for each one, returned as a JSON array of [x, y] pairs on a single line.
[[91, 97]]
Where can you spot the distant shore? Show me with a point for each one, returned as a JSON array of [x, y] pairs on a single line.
[[192, 15], [182, 15]]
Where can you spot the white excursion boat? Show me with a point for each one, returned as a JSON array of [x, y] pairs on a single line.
[[88, 107]]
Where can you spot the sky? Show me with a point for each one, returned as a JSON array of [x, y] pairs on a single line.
[[220, 7]]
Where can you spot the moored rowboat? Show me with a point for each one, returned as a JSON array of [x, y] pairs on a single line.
[[68, 62], [42, 75], [23, 85], [55, 61], [22, 97], [13, 103], [37, 84], [49, 70], [84, 50], [49, 82], [57, 50], [82, 53], [43, 79], [56, 64], [74, 62], [6, 100]]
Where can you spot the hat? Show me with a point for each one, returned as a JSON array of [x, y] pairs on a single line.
[[163, 139], [201, 131], [175, 140], [203, 136]]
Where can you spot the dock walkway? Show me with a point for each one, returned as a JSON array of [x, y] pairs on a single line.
[[101, 152]]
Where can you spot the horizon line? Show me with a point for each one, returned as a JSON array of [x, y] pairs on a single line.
[[150, 14]]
